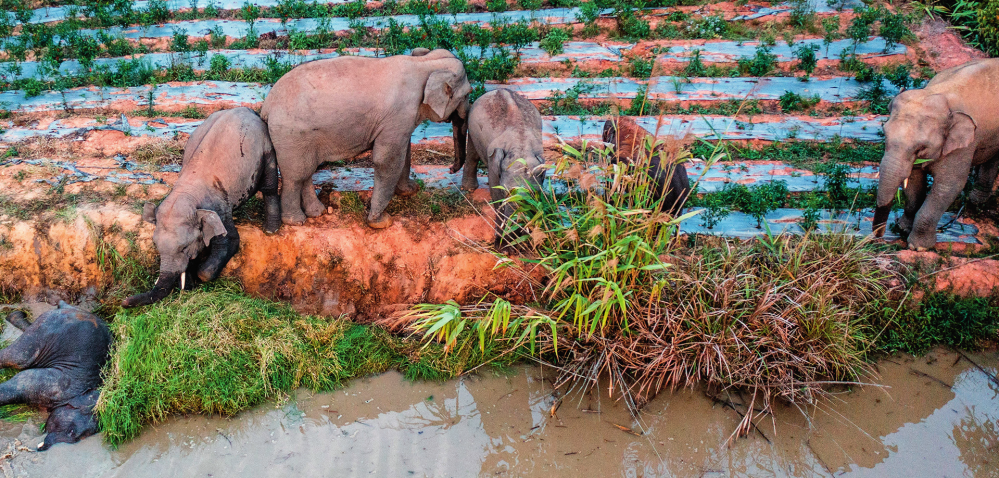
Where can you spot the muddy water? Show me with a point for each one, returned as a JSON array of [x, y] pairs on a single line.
[[932, 416]]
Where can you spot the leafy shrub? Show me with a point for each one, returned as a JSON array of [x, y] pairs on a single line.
[[761, 64], [792, 101], [641, 67], [554, 41], [806, 58]]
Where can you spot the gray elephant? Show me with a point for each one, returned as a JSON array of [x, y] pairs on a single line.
[[226, 161], [338, 108], [60, 357], [504, 130], [945, 130]]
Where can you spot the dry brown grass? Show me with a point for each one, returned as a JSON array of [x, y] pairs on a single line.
[[159, 153]]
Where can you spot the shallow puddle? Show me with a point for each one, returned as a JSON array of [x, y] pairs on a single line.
[[930, 416]]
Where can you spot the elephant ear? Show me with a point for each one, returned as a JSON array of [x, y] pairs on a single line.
[[211, 225], [439, 91], [149, 213], [419, 51], [960, 133]]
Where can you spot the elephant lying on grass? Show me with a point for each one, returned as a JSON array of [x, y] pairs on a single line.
[[631, 144], [336, 109], [60, 357], [226, 161], [504, 130], [945, 130]]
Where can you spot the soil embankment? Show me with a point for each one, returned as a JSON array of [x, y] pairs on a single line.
[[333, 265]]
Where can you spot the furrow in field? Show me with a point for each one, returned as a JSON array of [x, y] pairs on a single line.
[[230, 94], [581, 51]]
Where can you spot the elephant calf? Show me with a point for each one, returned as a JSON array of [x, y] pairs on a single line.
[[945, 130], [504, 129], [226, 161], [60, 357], [630, 145]]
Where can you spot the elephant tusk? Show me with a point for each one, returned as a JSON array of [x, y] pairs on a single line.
[[183, 275], [905, 183]]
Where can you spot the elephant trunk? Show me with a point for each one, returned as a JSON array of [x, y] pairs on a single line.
[[895, 168], [458, 130], [164, 284]]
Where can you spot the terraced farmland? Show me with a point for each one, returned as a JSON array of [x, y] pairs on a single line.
[[791, 96]]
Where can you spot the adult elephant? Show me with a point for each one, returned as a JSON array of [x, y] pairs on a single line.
[[943, 130], [335, 109]]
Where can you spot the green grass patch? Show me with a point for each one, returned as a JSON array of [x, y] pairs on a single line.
[[219, 351]]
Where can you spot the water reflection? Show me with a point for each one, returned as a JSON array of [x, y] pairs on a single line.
[[502, 425]]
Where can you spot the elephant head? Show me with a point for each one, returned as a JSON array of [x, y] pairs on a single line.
[[517, 169], [182, 233], [445, 95], [921, 127]]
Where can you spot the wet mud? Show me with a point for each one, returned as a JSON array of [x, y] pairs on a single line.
[[929, 416]]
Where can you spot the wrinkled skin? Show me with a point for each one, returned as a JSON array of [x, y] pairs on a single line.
[[631, 145], [504, 130], [226, 161], [336, 109], [59, 357], [952, 127]]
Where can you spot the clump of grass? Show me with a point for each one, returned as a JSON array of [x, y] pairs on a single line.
[[777, 317], [159, 153], [219, 351]]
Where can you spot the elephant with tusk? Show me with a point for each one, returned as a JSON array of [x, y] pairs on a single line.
[[944, 130], [227, 159]]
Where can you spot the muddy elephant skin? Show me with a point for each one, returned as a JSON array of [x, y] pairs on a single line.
[[60, 357], [504, 130], [944, 130], [226, 161], [631, 145], [338, 108]]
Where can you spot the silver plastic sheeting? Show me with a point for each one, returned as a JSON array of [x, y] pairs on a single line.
[[566, 127], [669, 88], [578, 51], [53, 14], [748, 173], [699, 89], [730, 51], [788, 221], [239, 28], [200, 93]]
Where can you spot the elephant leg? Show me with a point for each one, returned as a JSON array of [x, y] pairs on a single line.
[[291, 202], [37, 386], [406, 186], [222, 249], [947, 185], [389, 159], [470, 177], [269, 188], [986, 182], [915, 195], [310, 201]]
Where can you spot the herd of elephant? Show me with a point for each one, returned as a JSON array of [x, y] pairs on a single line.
[[336, 109]]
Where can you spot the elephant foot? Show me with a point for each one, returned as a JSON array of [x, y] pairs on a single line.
[[293, 219], [408, 190], [469, 186], [921, 244], [383, 221], [978, 196], [315, 210]]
